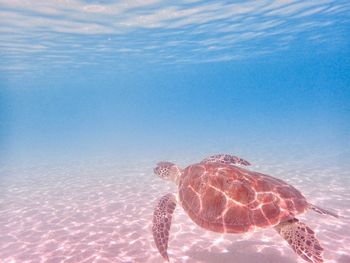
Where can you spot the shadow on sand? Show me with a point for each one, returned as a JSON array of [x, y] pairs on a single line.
[[241, 252]]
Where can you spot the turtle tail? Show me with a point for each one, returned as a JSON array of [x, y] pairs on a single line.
[[322, 211]]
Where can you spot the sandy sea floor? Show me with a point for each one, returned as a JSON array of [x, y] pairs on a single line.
[[102, 212]]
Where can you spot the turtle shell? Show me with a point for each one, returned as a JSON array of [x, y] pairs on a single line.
[[229, 199]]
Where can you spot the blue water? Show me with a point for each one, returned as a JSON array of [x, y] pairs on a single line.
[[151, 80], [93, 76]]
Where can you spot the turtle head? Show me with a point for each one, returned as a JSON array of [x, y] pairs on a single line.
[[168, 171]]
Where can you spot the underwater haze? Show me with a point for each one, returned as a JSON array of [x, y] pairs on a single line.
[[93, 94]]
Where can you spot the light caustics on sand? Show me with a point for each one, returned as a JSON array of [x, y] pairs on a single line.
[[103, 213]]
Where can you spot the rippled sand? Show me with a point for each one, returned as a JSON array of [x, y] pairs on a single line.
[[101, 212]]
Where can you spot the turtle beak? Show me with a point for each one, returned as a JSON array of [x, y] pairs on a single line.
[[155, 170]]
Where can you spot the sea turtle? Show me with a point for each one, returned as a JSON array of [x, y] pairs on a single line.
[[220, 195]]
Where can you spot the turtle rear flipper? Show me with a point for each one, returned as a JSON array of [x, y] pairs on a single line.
[[302, 239], [162, 221], [226, 159]]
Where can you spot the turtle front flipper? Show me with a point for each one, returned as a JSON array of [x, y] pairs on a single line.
[[162, 216], [302, 239], [225, 159]]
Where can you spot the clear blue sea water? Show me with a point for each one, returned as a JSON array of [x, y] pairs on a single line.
[[94, 93]]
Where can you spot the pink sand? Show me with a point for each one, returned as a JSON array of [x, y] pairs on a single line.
[[103, 213]]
